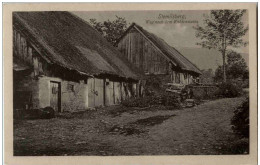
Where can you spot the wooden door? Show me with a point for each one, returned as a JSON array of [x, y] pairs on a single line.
[[112, 93], [99, 88], [117, 86], [55, 97], [96, 92]]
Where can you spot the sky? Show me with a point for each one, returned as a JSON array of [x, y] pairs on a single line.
[[176, 34]]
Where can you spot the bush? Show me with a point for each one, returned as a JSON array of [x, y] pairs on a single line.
[[240, 120], [165, 99], [229, 89], [153, 85]]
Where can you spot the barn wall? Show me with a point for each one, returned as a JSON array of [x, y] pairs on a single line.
[[72, 98], [184, 78], [22, 48], [76, 99], [107, 92], [111, 93], [117, 90], [139, 51]]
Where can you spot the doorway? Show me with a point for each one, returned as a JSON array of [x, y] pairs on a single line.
[[55, 97]]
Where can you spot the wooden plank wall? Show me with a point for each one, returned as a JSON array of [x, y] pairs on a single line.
[[117, 90], [24, 50], [142, 53]]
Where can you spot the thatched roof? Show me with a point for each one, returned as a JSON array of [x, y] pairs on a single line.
[[66, 40], [174, 55]]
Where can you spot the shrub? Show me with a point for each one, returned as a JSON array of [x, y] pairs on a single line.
[[153, 85], [240, 120], [229, 89]]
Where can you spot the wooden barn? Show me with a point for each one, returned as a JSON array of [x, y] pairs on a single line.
[[61, 61], [154, 56]]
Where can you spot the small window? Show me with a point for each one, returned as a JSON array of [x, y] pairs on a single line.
[[71, 87]]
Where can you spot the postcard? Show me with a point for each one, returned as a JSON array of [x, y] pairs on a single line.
[[130, 83]]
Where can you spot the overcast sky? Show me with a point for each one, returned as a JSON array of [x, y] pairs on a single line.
[[175, 34]]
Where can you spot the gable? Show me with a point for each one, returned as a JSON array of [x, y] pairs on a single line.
[[134, 29], [171, 53]]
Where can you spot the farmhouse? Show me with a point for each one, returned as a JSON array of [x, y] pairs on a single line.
[[154, 56], [61, 61]]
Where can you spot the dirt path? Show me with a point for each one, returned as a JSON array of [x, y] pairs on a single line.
[[204, 129]]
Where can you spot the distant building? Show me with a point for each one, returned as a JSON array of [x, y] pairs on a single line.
[[61, 61], [154, 56]]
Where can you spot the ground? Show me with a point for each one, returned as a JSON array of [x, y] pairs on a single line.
[[117, 130]]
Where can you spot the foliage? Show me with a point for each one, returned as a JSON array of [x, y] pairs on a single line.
[[229, 89], [207, 76], [111, 30], [240, 120], [222, 29], [165, 99], [236, 68], [153, 85]]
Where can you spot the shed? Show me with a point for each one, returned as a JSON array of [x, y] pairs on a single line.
[[154, 56]]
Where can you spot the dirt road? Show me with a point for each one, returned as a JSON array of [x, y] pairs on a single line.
[[204, 129]]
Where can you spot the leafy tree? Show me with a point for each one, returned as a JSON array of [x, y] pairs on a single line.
[[111, 30], [236, 67], [222, 29]]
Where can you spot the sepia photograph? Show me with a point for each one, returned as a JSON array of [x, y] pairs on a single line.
[[131, 82]]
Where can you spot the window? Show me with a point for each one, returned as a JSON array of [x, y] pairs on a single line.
[[71, 87]]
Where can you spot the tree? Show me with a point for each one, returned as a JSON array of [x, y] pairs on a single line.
[[222, 29], [111, 30], [236, 67]]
